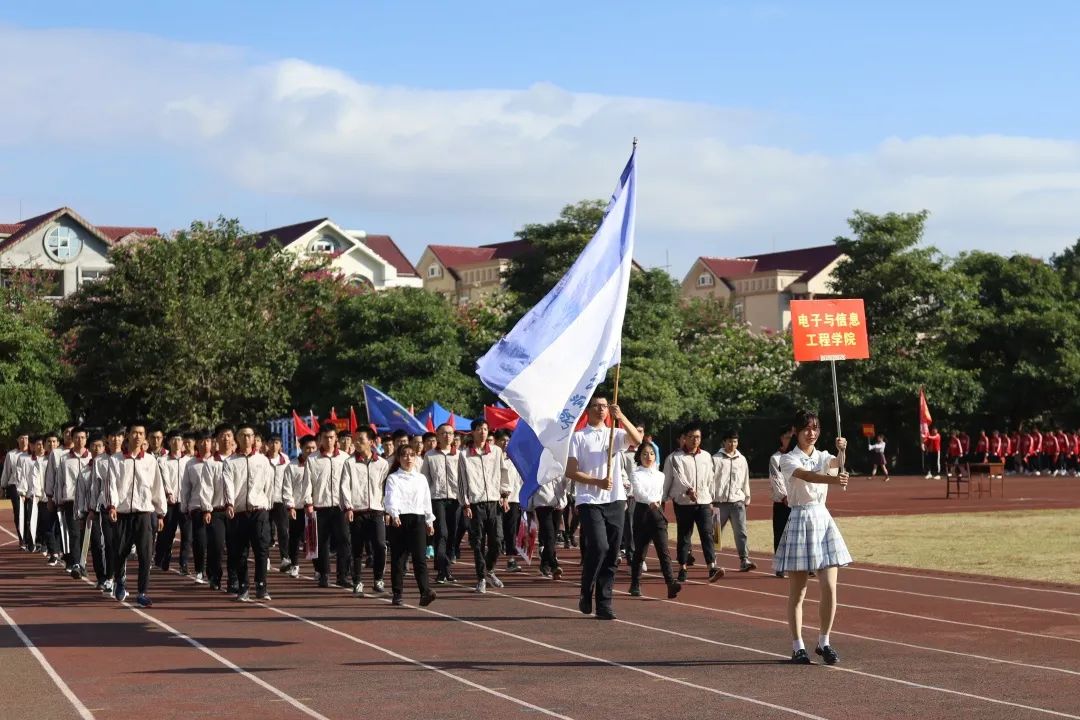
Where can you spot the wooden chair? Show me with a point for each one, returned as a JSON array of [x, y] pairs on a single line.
[[957, 479], [990, 471]]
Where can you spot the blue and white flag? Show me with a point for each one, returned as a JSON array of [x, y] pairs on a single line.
[[549, 365], [388, 415]]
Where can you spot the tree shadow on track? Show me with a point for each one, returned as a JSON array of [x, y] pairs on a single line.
[[208, 671], [495, 666], [120, 635]]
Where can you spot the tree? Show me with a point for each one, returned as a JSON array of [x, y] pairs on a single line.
[[31, 370], [192, 330]]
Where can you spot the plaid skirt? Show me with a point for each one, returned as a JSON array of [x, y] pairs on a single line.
[[811, 541]]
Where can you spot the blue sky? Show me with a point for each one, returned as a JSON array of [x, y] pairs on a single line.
[[762, 124]]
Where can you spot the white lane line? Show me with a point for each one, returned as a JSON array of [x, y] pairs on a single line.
[[199, 646], [886, 678], [83, 711]]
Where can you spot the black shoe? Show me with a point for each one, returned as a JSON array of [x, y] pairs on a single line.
[[573, 542], [232, 589], [215, 585], [799, 657], [682, 575], [715, 573], [450, 578], [673, 590], [324, 583], [828, 654], [428, 598], [605, 613], [584, 604], [397, 600], [690, 561], [635, 591], [566, 545], [184, 570], [812, 574], [440, 580]]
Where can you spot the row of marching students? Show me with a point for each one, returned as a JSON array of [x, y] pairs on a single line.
[[1054, 452]]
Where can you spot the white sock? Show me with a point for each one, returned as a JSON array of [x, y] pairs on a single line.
[[822, 641], [797, 645]]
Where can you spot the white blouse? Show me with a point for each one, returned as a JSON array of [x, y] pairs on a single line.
[[647, 484], [407, 493], [801, 492]]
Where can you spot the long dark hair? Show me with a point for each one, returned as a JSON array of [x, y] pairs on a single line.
[[401, 448]]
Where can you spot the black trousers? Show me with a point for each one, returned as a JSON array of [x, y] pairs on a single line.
[[110, 539], [198, 540], [686, 518], [16, 502], [31, 523], [134, 529], [547, 519], [71, 531], [296, 536], [409, 540], [628, 528], [485, 536], [780, 513], [601, 536], [511, 520], [99, 558], [446, 526], [461, 527], [331, 523], [215, 546], [279, 517], [368, 528], [174, 520], [650, 526], [571, 518], [250, 533], [47, 528]]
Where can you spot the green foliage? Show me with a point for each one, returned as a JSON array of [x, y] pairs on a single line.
[[31, 373]]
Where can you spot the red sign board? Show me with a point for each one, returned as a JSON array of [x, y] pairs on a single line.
[[829, 330]]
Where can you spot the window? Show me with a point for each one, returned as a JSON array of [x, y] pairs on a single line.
[[90, 275], [739, 312], [62, 244], [705, 280], [321, 245], [434, 271]]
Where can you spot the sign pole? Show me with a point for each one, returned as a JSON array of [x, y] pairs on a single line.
[[841, 455]]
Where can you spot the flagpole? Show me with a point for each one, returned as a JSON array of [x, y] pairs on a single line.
[[841, 455], [611, 435]]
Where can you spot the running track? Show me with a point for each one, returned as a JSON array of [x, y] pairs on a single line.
[[913, 644]]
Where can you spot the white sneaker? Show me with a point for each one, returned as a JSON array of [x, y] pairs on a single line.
[[285, 565], [294, 571], [200, 579], [481, 587], [494, 580], [358, 590], [644, 567], [936, 477], [380, 586], [1037, 473], [929, 475]]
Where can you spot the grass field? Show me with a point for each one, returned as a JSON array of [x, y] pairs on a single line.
[[1027, 544]]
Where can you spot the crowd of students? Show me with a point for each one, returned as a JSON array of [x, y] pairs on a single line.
[[1027, 452], [129, 491]]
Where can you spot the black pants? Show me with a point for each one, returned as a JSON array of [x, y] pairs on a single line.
[[932, 462], [686, 518], [296, 536], [511, 520], [215, 546], [485, 536], [250, 533], [16, 502], [31, 523], [99, 558], [601, 535], [47, 528], [174, 520], [650, 526], [368, 528], [571, 518], [547, 519], [446, 526], [332, 524], [628, 528], [780, 513], [71, 532], [134, 529], [409, 540], [110, 539], [279, 516], [461, 527], [198, 540]]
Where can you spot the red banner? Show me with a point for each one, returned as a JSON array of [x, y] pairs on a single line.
[[829, 330], [500, 418]]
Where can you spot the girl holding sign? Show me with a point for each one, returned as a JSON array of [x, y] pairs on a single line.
[[811, 541]]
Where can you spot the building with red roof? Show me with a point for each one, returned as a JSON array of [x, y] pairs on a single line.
[[467, 274]]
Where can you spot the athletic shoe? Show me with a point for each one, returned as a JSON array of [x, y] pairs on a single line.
[[440, 580], [828, 654], [358, 590], [53, 561], [799, 657], [556, 573], [75, 572], [682, 575], [232, 589], [120, 593], [928, 476], [215, 585], [673, 590], [715, 573], [379, 586], [429, 553], [936, 477], [263, 594], [644, 567], [780, 575], [635, 591], [605, 613], [450, 578], [690, 560], [747, 566], [199, 579], [566, 544], [324, 582], [99, 586], [285, 565], [107, 586], [573, 541], [481, 587], [144, 601], [428, 598], [545, 573], [584, 604], [397, 600], [294, 571], [812, 574], [184, 570], [512, 566], [494, 580], [243, 597]]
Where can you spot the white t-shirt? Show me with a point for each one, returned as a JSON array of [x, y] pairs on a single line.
[[590, 448], [801, 492]]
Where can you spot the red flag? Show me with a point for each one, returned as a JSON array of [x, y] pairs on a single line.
[[431, 422], [584, 420], [313, 423], [353, 425], [301, 427], [333, 415], [500, 418], [924, 416]]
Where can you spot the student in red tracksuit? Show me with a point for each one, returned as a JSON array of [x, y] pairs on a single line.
[[932, 454], [982, 447], [1050, 452], [1012, 451], [965, 444], [954, 454], [1033, 460], [998, 446], [1064, 451]]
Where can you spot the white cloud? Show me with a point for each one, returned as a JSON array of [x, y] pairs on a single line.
[[710, 181]]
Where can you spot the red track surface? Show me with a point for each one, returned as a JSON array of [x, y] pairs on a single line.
[[913, 644]]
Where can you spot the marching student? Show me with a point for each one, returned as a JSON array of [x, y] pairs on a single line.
[[155, 441], [431, 441], [320, 492], [954, 455], [135, 502], [778, 485], [30, 486], [345, 442], [440, 467], [547, 504], [731, 494], [173, 464], [191, 503], [86, 505], [511, 515], [982, 447], [1035, 448], [408, 505], [877, 457], [215, 516], [629, 465], [189, 443], [689, 478], [294, 477], [281, 497], [483, 489], [47, 520], [103, 541], [61, 492], [932, 453], [248, 478], [811, 540], [8, 483], [601, 501], [650, 525], [363, 481]]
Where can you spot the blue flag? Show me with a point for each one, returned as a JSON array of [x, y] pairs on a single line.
[[388, 415], [547, 368]]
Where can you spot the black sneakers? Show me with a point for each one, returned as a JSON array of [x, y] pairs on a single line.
[[799, 657], [828, 655]]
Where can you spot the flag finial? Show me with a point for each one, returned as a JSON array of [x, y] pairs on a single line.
[[635, 142]]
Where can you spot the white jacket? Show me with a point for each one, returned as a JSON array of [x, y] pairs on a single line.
[[68, 475], [481, 475], [321, 484], [363, 483], [135, 484], [732, 482], [247, 481], [280, 491], [441, 470], [172, 472], [30, 476], [407, 493], [683, 471]]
